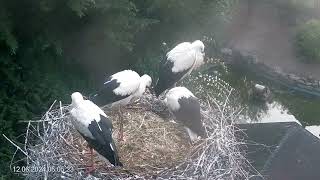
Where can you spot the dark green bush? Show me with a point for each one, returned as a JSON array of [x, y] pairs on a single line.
[[308, 41], [29, 83]]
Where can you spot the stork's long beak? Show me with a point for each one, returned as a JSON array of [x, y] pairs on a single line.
[[205, 60], [92, 95], [151, 89], [86, 97], [164, 101]]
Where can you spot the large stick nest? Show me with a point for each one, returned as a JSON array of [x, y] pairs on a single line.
[[154, 147]]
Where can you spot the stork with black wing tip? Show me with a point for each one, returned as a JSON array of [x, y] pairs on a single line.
[[120, 89], [180, 62], [186, 109], [95, 127]]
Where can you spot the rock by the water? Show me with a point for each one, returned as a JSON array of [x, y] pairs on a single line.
[[259, 87], [260, 92]]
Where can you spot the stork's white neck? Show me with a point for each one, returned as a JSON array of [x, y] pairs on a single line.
[[77, 99], [199, 60], [198, 47], [142, 88]]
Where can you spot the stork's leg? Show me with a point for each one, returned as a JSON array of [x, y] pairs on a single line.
[[91, 154], [193, 136], [134, 104], [90, 168], [120, 124]]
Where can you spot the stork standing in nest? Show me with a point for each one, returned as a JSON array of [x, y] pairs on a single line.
[[120, 89], [95, 127], [180, 62], [186, 109]]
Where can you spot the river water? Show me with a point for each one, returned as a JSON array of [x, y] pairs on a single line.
[[285, 103], [264, 28]]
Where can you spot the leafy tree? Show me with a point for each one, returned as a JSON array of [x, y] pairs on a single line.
[[308, 41]]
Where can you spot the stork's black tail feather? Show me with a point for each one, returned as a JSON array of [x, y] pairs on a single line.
[[105, 150], [168, 78], [103, 142], [115, 159]]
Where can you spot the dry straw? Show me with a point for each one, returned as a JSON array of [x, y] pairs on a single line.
[[153, 148]]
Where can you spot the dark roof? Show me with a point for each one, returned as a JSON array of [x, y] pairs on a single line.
[[286, 152]]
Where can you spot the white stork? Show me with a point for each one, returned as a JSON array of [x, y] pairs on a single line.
[[95, 127], [186, 108], [181, 60], [120, 89]]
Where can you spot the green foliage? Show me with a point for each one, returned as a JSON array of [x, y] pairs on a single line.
[[30, 82], [80, 6], [189, 18], [148, 65], [294, 12], [6, 31], [308, 41], [296, 6]]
